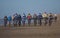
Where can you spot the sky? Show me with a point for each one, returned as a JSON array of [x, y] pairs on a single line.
[[9, 7]]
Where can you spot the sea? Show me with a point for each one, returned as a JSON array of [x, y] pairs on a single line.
[[2, 22]]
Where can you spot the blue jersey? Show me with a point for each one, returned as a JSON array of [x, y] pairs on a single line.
[[39, 16], [23, 18], [9, 18]]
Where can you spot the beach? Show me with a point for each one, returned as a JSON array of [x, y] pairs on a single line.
[[32, 31]]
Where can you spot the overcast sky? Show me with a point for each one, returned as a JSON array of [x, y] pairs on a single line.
[[9, 7]]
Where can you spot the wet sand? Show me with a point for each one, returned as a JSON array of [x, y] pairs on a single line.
[[32, 31]]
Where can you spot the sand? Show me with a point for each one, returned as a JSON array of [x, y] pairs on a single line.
[[32, 31]]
